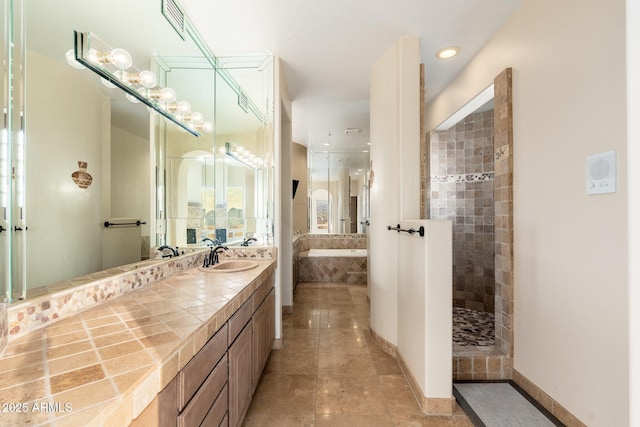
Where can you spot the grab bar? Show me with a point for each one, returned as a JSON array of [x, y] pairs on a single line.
[[397, 228], [138, 223]]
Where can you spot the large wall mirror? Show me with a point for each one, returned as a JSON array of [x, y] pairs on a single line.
[[338, 191], [217, 186], [62, 121]]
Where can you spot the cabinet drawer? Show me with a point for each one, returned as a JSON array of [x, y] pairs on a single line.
[[197, 370], [199, 406], [219, 409], [239, 319]]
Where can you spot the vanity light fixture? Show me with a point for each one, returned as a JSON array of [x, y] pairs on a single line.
[[115, 67], [447, 52], [243, 155]]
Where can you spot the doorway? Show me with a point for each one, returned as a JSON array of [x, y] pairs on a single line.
[[492, 359]]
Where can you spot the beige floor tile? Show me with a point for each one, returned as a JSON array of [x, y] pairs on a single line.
[[348, 380], [303, 319], [345, 338], [340, 362], [285, 394], [349, 395], [279, 420], [292, 362], [345, 420], [398, 396], [383, 363], [301, 339]]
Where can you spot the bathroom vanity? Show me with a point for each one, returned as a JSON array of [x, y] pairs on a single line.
[[216, 386], [187, 349]]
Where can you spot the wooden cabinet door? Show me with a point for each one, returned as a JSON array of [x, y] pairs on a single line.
[[270, 304], [259, 323], [240, 376], [163, 409]]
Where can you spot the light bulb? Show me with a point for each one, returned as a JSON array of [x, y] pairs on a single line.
[[197, 117], [207, 127], [144, 78], [167, 95], [71, 60], [184, 107], [120, 58], [147, 79]]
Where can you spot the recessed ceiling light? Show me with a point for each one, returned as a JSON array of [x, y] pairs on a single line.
[[447, 52], [326, 143], [365, 151]]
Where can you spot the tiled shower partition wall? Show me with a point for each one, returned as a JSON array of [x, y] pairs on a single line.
[[462, 189], [496, 363]]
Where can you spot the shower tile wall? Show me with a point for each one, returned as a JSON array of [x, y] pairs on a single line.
[[461, 188]]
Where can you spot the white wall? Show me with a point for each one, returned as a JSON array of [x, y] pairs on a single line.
[[570, 267], [385, 200], [633, 144], [283, 204], [64, 221]]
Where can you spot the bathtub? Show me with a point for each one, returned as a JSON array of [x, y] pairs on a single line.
[[337, 253], [333, 265]]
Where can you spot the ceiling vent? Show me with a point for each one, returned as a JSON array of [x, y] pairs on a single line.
[[243, 101], [352, 131], [174, 13]]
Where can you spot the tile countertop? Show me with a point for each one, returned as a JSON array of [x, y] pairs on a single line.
[[105, 365]]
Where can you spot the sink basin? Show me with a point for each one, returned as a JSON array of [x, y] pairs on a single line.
[[230, 266]]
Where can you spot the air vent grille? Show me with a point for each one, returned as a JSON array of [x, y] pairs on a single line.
[[175, 15], [243, 101]]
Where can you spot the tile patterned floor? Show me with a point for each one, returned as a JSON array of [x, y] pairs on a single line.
[[330, 373], [473, 328]]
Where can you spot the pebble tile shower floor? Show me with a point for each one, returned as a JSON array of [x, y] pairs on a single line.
[[473, 328], [330, 373]]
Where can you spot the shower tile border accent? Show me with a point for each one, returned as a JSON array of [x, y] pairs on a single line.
[[469, 177], [76, 295]]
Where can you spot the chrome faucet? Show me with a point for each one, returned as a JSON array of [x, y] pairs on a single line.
[[174, 252], [248, 241]]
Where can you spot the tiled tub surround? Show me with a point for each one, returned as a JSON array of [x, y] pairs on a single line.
[[330, 268], [461, 188], [107, 363], [70, 297]]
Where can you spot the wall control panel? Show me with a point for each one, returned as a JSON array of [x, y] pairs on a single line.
[[601, 173]]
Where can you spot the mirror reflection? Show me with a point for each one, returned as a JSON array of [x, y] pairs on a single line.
[[77, 154], [339, 191]]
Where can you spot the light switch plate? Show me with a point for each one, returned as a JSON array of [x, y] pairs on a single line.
[[601, 173]]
